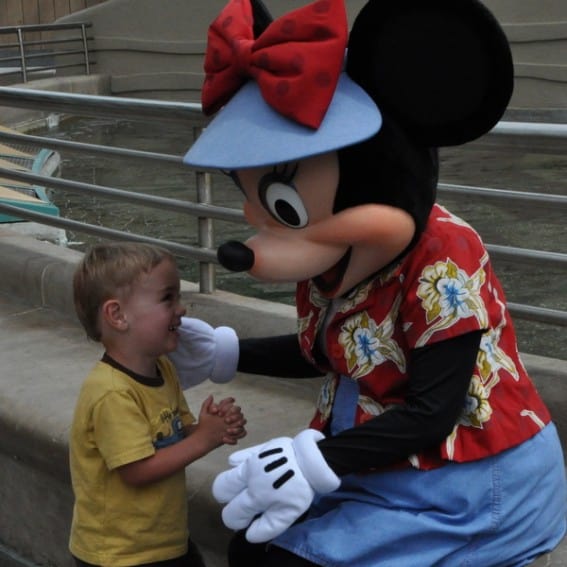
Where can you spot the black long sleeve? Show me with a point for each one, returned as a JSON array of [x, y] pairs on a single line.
[[275, 356], [439, 378]]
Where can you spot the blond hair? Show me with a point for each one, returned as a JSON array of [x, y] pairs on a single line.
[[106, 270]]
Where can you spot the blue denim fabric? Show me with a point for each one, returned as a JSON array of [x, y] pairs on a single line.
[[502, 511]]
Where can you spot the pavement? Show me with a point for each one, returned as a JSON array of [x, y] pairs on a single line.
[[44, 358]]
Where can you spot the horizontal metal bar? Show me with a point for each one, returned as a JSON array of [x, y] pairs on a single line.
[[37, 55], [7, 73], [52, 143], [163, 203], [9, 45], [71, 65], [44, 27], [551, 259], [97, 105], [529, 129], [52, 41], [539, 257], [520, 311], [504, 195], [10, 59], [39, 69], [193, 252], [62, 53], [94, 105], [540, 314]]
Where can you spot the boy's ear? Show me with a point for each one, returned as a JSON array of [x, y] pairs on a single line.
[[113, 315]]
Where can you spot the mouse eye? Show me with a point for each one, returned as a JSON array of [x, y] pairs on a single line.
[[284, 203]]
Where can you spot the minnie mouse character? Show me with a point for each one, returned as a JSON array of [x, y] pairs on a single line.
[[430, 445]]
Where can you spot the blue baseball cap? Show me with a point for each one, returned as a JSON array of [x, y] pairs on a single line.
[[247, 132]]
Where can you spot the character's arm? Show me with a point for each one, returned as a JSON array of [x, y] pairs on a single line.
[[271, 485], [204, 352], [275, 356], [440, 375]]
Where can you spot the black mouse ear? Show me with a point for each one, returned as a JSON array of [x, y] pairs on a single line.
[[442, 68], [262, 18]]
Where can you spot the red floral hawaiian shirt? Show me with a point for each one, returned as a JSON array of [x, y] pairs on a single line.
[[444, 288]]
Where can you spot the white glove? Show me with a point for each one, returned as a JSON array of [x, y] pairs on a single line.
[[275, 481], [203, 352]]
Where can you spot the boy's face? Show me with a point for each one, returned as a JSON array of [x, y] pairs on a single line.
[[153, 311]]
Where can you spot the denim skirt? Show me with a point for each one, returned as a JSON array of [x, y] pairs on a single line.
[[502, 511]]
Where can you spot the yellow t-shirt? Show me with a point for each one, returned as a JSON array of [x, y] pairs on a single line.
[[118, 420]]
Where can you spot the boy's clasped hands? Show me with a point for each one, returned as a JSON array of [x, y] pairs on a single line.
[[222, 422]]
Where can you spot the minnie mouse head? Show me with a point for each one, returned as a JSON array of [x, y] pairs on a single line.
[[337, 156]]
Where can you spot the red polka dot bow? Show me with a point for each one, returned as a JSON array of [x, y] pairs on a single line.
[[296, 61]]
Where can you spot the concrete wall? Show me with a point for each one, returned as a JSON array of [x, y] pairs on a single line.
[[151, 48], [537, 31], [31, 12], [155, 48]]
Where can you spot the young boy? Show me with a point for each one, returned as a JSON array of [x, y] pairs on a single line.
[[133, 434]]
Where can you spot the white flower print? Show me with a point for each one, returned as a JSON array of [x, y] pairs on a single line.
[[327, 396], [370, 406], [356, 297], [316, 298], [491, 359], [319, 302], [533, 416], [449, 294], [477, 407], [367, 344], [458, 221], [476, 412], [304, 322], [414, 461]]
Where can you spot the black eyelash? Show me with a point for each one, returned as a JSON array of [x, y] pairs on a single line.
[[285, 172], [233, 175], [281, 173]]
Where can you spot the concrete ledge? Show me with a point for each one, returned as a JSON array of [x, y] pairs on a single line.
[[37, 272], [45, 357]]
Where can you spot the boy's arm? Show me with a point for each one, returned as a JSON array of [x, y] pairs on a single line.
[[204, 436]]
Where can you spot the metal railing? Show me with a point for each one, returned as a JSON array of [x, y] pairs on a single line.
[[57, 48], [204, 209]]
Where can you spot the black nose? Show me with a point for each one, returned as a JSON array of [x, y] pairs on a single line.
[[235, 256]]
